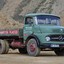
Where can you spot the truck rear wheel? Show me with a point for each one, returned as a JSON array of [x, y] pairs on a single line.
[[59, 52], [4, 47], [32, 48], [22, 50]]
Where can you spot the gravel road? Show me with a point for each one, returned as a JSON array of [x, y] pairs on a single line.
[[48, 57]]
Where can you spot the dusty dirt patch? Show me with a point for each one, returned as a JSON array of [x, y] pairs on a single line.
[[13, 57]]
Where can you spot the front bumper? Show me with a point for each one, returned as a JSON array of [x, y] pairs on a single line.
[[49, 45]]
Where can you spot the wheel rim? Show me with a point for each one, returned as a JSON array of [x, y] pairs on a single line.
[[32, 47]]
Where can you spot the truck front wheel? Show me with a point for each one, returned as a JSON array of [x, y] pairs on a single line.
[[59, 52], [32, 48]]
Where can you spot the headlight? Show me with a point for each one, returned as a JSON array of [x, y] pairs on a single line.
[[47, 38]]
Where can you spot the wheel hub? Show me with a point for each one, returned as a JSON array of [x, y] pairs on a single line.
[[32, 47]]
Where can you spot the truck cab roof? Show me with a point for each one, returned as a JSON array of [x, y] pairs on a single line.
[[36, 14]]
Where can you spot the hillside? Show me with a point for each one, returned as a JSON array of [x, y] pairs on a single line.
[[16, 9], [7, 22]]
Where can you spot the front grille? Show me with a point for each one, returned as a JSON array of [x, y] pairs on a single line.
[[56, 37]]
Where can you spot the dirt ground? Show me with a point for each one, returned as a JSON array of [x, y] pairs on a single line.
[[13, 57]]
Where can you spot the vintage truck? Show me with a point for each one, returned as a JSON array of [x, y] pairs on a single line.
[[40, 32]]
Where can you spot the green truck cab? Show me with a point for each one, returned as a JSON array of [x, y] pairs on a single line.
[[40, 32]]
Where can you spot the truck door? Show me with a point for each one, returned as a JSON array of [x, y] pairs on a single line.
[[28, 27]]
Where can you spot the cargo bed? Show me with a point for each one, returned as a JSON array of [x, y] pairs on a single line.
[[17, 33]]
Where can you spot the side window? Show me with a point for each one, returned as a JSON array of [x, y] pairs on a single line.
[[28, 20]]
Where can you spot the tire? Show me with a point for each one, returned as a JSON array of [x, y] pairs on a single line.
[[2, 47], [7, 46], [22, 50], [59, 52], [32, 48]]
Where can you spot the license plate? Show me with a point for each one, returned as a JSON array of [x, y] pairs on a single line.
[[54, 45]]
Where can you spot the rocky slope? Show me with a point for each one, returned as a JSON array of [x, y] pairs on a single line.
[[7, 22], [16, 9]]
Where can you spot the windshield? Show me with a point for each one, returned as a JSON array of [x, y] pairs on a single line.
[[48, 19]]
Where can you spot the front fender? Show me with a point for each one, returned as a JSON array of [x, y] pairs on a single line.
[[35, 37]]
